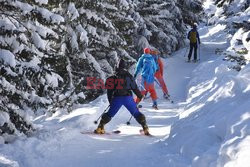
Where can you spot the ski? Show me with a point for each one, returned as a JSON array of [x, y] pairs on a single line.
[[193, 61], [141, 132], [106, 133]]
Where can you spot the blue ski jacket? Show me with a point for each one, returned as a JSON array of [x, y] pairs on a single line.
[[147, 66]]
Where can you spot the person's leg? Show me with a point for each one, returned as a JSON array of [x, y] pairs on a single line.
[[195, 51], [190, 51], [130, 104], [162, 84], [106, 117], [151, 88], [134, 111], [142, 89]]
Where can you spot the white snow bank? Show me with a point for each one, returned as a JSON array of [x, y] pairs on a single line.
[[214, 126], [4, 162]]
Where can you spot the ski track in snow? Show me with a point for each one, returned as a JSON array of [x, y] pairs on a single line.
[[60, 143]]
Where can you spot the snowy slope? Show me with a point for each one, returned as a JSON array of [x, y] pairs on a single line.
[[207, 126], [209, 122], [213, 129]]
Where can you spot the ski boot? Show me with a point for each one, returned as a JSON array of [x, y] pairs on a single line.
[[155, 105], [166, 96], [105, 119], [99, 130], [145, 130]]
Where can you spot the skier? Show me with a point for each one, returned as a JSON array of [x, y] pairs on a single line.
[[159, 73], [119, 91], [193, 35], [147, 66]]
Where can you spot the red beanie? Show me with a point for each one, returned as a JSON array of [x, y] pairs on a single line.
[[146, 50]]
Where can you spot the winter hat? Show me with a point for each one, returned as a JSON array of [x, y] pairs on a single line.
[[121, 64], [146, 50], [195, 25]]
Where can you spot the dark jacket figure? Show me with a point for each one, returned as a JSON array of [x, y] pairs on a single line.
[[122, 83], [119, 91], [193, 37]]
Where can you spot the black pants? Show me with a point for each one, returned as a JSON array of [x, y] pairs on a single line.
[[193, 46]]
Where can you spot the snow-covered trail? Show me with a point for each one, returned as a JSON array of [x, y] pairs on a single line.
[[60, 143]]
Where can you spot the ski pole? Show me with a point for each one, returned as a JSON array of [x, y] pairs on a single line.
[[161, 87], [157, 82], [96, 121], [199, 52], [138, 106]]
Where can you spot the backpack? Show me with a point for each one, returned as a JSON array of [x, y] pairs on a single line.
[[148, 69], [193, 37]]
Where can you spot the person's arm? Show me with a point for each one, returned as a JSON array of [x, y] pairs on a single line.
[[198, 36], [134, 87], [109, 85], [110, 95], [138, 67]]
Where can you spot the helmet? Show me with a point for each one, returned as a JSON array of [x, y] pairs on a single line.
[[154, 52], [146, 50]]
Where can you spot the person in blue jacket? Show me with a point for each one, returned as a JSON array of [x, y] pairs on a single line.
[[147, 66], [119, 91]]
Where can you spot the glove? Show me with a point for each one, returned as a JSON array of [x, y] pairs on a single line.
[[140, 99]]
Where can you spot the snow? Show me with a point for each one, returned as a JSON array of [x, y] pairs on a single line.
[[25, 7], [7, 57], [4, 117], [7, 163], [49, 16], [206, 126], [125, 4], [52, 80], [72, 11], [73, 41], [143, 42], [7, 24], [38, 41], [42, 1], [83, 34]]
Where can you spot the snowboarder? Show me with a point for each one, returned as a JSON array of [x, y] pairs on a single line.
[[147, 66], [119, 91], [193, 36], [159, 73]]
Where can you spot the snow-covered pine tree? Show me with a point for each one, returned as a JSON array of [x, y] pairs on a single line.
[[160, 24], [49, 48], [234, 16]]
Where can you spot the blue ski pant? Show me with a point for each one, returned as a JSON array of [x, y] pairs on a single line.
[[128, 101]]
